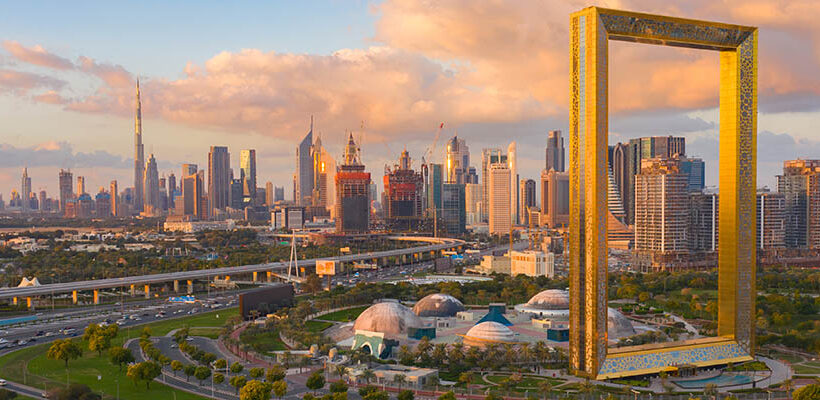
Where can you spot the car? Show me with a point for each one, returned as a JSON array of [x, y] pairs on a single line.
[[23, 343], [189, 339], [2, 382], [174, 345]]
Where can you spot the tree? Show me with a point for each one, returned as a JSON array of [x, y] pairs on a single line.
[[237, 381], [64, 349], [7, 394], [315, 381], [189, 371], [219, 378], [710, 389], [368, 375], [236, 367], [377, 395], [399, 379], [492, 396], [74, 391], [256, 372], [465, 378], [144, 371], [406, 395], [341, 371], [338, 387], [313, 283], [99, 342], [146, 333], [207, 358], [255, 390], [176, 365], [220, 364], [120, 356], [545, 386], [280, 388], [808, 392], [201, 373], [181, 334], [448, 396], [365, 390], [275, 373]]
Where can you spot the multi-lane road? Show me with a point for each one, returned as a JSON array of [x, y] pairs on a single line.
[[436, 244]]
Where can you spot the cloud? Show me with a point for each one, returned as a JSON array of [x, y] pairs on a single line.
[[37, 55], [20, 83], [50, 97], [114, 76], [58, 154]]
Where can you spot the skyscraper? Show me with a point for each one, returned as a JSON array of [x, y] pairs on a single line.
[[403, 191], [43, 203], [322, 175], [352, 193], [694, 168], [278, 193], [188, 169], [25, 189], [219, 179], [172, 189], [771, 220], [457, 156], [555, 151], [115, 198], [554, 198], [247, 166], [269, 194], [453, 213], [102, 204], [661, 208], [526, 199], [488, 157], [499, 192], [80, 185], [304, 169], [473, 203], [800, 183], [139, 156], [151, 202], [512, 160], [192, 195], [435, 180], [66, 185]]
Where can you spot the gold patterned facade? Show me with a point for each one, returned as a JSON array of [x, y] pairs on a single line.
[[590, 31]]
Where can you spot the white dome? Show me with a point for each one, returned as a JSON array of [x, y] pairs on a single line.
[[618, 325], [387, 317], [438, 305], [490, 331], [550, 299]]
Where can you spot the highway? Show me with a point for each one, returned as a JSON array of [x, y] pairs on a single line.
[[436, 244]]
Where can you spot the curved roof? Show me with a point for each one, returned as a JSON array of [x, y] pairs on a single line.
[[490, 331], [438, 305], [550, 299], [387, 317], [617, 325]]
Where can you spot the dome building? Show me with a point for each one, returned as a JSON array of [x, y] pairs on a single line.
[[489, 332], [617, 325], [390, 318], [438, 305]]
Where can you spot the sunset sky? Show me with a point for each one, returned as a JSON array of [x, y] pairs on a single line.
[[250, 75]]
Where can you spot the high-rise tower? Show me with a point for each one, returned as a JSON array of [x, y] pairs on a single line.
[[247, 169], [25, 189], [151, 205], [219, 178], [139, 156], [303, 179], [555, 151], [352, 193]]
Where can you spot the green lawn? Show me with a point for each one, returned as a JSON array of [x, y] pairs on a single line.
[[211, 332], [264, 342], [805, 369], [344, 315], [43, 373], [317, 326]]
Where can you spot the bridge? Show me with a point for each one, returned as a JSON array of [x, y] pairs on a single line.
[[433, 246]]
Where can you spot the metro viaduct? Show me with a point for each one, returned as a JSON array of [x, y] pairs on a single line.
[[433, 248]]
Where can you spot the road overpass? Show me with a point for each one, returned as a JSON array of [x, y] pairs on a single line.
[[432, 246]]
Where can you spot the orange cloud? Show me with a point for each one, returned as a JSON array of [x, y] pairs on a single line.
[[36, 55]]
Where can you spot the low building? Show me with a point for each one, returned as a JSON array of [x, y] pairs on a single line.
[[532, 263], [414, 377], [198, 226], [493, 264]]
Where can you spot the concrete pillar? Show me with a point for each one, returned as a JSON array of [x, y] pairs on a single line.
[[190, 287], [176, 286], [147, 291], [254, 276], [133, 291], [74, 297], [14, 301], [270, 276], [28, 302], [96, 296]]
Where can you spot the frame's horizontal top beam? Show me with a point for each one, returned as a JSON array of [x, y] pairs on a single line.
[[670, 31]]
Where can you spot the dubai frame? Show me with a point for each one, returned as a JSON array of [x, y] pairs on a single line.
[[590, 30]]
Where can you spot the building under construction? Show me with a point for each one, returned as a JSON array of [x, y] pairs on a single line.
[[800, 184], [403, 195], [352, 193]]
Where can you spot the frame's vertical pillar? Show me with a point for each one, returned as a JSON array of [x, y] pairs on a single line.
[[588, 191], [738, 173]]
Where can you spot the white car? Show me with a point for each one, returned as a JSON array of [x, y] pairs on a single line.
[[2, 382]]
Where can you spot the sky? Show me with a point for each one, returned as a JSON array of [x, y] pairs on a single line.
[[250, 75]]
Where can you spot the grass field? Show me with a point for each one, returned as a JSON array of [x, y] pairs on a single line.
[[317, 326], [344, 315], [211, 332], [30, 365], [264, 342]]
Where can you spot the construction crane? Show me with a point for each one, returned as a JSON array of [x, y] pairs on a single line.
[[432, 148]]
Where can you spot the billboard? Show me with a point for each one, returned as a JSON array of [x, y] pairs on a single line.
[[265, 300], [325, 267]]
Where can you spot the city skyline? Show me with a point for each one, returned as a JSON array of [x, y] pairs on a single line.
[[47, 77]]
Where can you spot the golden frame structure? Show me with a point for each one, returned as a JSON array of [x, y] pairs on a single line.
[[590, 31]]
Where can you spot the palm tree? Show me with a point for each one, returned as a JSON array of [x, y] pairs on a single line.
[[399, 379], [788, 386], [545, 386], [525, 353], [710, 389], [586, 387], [341, 370], [368, 375]]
